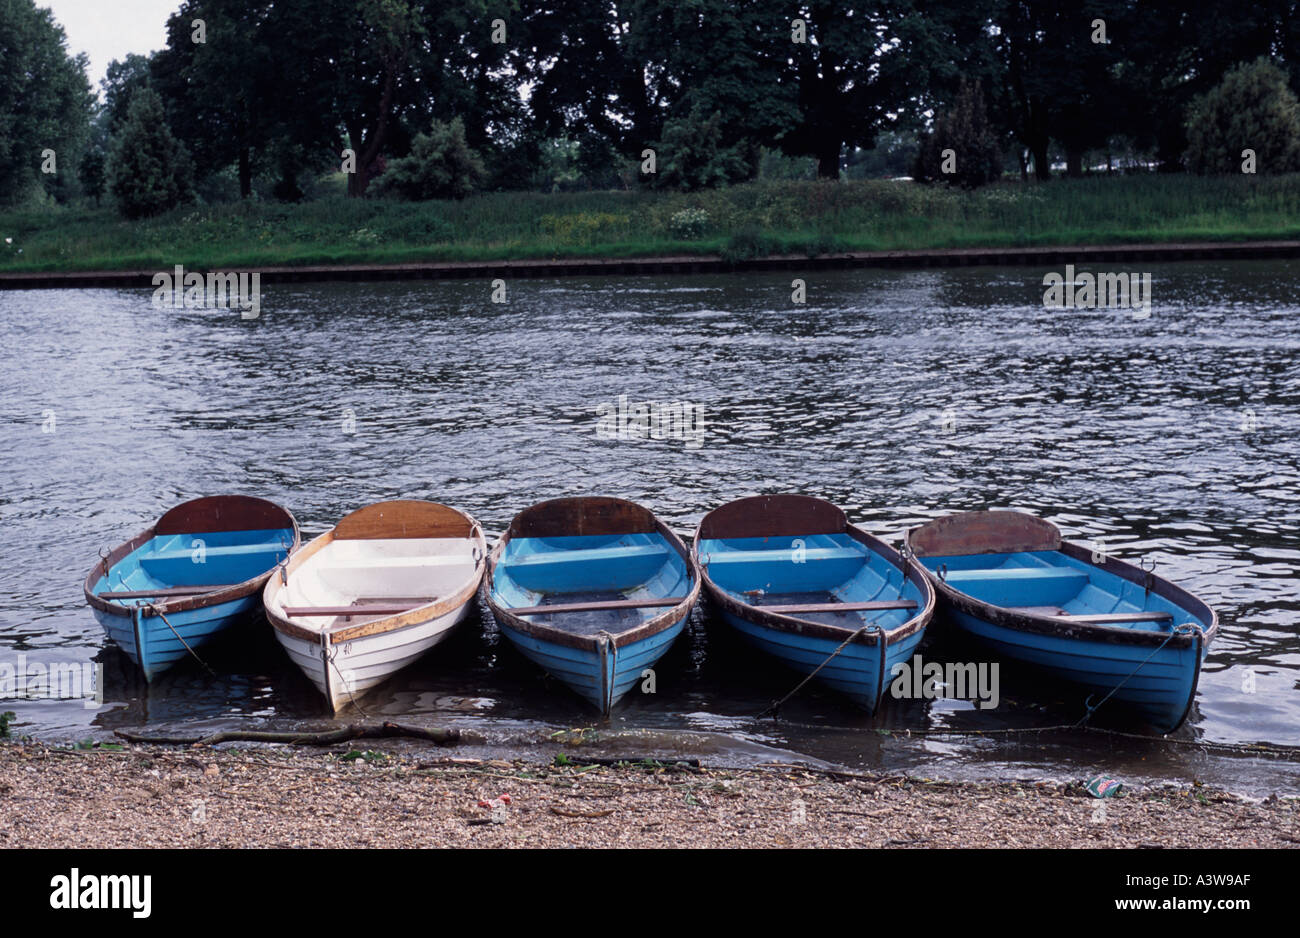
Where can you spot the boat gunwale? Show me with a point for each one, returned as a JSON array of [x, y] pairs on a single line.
[[1041, 624], [784, 622], [415, 616], [555, 635], [180, 604]]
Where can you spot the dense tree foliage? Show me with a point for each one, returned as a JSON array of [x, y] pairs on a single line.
[[962, 148], [149, 169], [267, 96], [45, 103], [1251, 109]]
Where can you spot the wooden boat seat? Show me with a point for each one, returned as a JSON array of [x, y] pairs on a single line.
[[235, 550], [1105, 617], [386, 563], [589, 555], [600, 606], [788, 608], [378, 606], [1015, 573], [810, 554], [167, 591]]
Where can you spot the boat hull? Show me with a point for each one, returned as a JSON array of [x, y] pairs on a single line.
[[148, 641], [372, 595], [605, 565], [1158, 684], [1117, 632], [855, 672], [356, 667], [171, 589], [601, 678], [796, 581]]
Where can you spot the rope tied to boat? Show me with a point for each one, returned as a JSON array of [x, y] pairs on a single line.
[[868, 628], [157, 610], [1186, 628], [329, 653]]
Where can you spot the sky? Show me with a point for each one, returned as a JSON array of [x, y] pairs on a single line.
[[109, 29]]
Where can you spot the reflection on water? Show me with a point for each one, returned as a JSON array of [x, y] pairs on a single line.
[[898, 395]]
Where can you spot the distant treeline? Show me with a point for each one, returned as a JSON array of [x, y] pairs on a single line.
[[264, 97]]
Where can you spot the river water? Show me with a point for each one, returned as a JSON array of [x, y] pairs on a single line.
[[899, 395]]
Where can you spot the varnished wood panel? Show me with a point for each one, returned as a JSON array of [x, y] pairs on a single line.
[[403, 518], [773, 516], [223, 513], [983, 532], [569, 517]]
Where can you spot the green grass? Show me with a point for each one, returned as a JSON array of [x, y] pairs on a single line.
[[743, 221]]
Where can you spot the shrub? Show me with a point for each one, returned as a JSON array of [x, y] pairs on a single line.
[[748, 243], [693, 155], [689, 224], [441, 165], [1252, 108]]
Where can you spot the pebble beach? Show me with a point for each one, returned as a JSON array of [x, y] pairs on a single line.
[[151, 796]]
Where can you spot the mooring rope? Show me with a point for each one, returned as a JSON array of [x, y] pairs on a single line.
[[329, 654], [162, 615], [869, 627], [1091, 708]]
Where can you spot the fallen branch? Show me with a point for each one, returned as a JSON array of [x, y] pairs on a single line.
[[441, 737], [640, 762]]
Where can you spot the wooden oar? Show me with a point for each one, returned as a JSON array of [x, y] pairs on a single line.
[[596, 606], [167, 591]]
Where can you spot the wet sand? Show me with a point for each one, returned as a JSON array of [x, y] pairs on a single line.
[[146, 796]]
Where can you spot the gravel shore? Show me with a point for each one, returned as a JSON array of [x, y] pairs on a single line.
[[276, 797]]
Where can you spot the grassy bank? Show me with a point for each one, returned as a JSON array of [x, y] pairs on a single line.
[[743, 221]]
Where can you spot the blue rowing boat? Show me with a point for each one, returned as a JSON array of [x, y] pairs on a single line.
[[799, 582], [594, 590], [166, 592], [1116, 630]]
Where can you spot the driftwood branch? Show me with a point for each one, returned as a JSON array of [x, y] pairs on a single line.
[[441, 737]]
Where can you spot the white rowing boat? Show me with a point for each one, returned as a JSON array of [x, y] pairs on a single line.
[[369, 597]]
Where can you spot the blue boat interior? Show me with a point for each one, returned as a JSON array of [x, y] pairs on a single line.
[[807, 569], [1049, 582], [540, 571], [210, 558]]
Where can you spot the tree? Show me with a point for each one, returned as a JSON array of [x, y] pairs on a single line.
[[859, 69], [1252, 108], [719, 65], [150, 170], [441, 165], [122, 79], [45, 98], [588, 83], [964, 129], [93, 172], [1059, 75]]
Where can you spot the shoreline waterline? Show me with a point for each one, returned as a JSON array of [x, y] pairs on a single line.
[[1154, 252]]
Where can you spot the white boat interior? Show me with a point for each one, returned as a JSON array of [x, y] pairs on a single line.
[[387, 573]]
